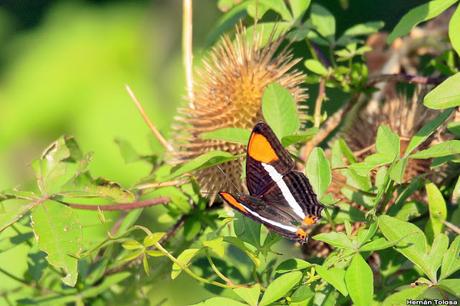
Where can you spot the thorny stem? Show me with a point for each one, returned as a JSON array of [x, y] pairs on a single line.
[[187, 53], [149, 123], [118, 206]]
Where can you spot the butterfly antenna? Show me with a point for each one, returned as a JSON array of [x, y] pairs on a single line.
[[229, 180]]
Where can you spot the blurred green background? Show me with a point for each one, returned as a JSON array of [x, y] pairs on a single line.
[[63, 67]]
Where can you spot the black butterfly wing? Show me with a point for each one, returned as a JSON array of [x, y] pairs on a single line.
[[271, 216], [265, 150], [294, 194]]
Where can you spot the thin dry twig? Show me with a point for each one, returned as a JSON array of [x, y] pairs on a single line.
[[160, 184], [330, 125], [187, 53], [452, 227], [407, 78], [152, 127], [119, 206]]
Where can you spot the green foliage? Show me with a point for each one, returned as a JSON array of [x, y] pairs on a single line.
[[404, 228], [280, 111], [318, 171], [419, 14], [445, 95]]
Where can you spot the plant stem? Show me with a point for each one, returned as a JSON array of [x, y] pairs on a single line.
[[187, 53], [190, 272], [319, 102], [149, 123], [216, 270], [146, 186], [316, 118], [118, 206]]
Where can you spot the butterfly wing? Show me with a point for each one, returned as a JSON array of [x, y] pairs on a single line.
[[293, 193], [265, 152], [270, 215]]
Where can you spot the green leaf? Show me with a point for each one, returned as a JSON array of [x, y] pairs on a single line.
[[247, 230], [292, 264], [438, 250], [437, 208], [323, 21], [249, 295], [446, 148], [206, 160], [184, 259], [131, 244], [216, 245], [242, 246], [335, 277], [454, 34], [264, 32], [454, 128], [301, 137], [445, 95], [127, 151], [219, 301], [236, 135], [58, 164], [336, 239], [316, 67], [59, 234], [451, 260], [62, 299], [278, 6], [192, 228], [280, 287], [360, 281], [318, 171], [360, 30], [13, 210], [387, 142], [299, 7], [378, 244], [280, 110], [401, 297], [302, 295], [419, 14], [451, 285], [151, 239], [426, 131], [397, 172], [227, 22], [412, 243]]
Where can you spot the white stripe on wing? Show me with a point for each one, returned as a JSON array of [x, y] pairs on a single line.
[[278, 178], [274, 223]]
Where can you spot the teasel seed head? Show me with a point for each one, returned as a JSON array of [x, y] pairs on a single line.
[[228, 93]]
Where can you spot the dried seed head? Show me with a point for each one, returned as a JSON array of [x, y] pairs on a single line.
[[228, 93]]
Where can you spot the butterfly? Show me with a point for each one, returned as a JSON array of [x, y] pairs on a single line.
[[279, 197]]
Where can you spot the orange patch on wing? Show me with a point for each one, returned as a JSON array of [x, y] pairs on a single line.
[[301, 233], [232, 201], [309, 220], [260, 149]]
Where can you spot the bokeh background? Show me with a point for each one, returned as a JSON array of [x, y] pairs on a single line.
[[63, 67]]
